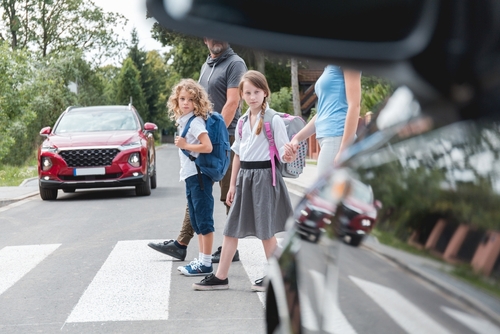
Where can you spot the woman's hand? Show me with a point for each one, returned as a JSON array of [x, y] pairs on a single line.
[[293, 145]]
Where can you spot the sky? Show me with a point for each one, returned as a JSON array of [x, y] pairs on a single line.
[[135, 12]]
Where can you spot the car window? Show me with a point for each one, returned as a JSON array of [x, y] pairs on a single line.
[[361, 192], [85, 121]]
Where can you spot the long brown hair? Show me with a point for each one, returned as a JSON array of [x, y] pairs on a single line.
[[258, 80]]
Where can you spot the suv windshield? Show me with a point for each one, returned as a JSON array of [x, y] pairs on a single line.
[[85, 121]]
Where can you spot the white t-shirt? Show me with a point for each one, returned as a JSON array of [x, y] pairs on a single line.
[[252, 147], [197, 127]]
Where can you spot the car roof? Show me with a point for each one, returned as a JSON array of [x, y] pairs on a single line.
[[99, 108]]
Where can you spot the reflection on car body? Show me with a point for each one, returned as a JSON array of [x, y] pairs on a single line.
[[95, 147], [430, 154]]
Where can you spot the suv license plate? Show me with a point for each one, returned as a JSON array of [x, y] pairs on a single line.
[[89, 171]]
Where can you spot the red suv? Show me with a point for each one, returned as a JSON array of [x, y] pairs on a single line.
[[96, 147]]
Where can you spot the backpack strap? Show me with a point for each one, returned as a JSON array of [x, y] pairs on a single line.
[[273, 151], [240, 125], [183, 135]]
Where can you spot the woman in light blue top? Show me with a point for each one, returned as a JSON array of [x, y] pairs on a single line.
[[336, 120]]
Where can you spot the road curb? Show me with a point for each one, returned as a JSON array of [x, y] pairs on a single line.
[[5, 202]]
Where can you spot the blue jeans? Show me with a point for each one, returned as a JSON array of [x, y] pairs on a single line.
[[200, 204]]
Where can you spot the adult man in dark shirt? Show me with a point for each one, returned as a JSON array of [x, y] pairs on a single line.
[[220, 76]]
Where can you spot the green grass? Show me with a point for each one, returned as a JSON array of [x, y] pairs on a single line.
[[389, 239], [465, 273], [15, 175], [462, 272]]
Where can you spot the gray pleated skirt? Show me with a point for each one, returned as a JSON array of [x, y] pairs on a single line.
[[258, 208]]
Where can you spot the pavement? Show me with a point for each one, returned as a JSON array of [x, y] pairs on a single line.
[[434, 272]]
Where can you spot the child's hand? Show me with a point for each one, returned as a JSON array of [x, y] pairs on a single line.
[[289, 156], [180, 142], [230, 195], [290, 153], [290, 149]]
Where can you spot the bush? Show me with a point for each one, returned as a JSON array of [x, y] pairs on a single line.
[[282, 101]]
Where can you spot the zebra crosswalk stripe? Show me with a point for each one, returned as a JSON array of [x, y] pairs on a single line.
[[132, 284], [475, 324], [402, 311], [17, 261]]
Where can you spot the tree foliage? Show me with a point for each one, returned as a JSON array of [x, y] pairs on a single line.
[[374, 91], [53, 26], [129, 88], [187, 53]]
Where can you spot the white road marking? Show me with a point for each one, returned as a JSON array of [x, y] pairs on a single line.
[[132, 284], [475, 324], [403, 312], [254, 260], [335, 321], [17, 261]]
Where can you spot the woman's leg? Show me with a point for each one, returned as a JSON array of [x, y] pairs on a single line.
[[229, 245], [329, 147]]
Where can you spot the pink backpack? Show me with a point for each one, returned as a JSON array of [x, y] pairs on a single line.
[[293, 125]]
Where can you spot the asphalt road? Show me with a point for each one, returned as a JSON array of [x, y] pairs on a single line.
[[81, 264]]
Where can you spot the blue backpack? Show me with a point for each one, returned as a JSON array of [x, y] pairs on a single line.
[[215, 163]]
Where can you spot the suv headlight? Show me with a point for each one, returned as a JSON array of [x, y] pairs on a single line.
[[135, 159]]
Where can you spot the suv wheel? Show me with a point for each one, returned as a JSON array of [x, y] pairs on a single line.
[[144, 189], [355, 240], [48, 194], [153, 177]]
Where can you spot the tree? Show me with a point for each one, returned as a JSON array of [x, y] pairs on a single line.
[[374, 91], [52, 26], [129, 87], [186, 55], [295, 87], [154, 88]]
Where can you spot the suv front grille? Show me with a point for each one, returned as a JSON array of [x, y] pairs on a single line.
[[89, 157]]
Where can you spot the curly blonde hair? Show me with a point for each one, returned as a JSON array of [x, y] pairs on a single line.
[[202, 104]]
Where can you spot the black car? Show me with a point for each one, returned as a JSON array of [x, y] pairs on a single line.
[[431, 154]]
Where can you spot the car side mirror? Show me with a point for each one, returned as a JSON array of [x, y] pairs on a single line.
[[150, 126], [377, 204], [45, 131]]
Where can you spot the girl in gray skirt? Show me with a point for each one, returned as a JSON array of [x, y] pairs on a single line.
[[257, 207]]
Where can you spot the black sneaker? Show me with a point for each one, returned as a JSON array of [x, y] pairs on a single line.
[[211, 282], [259, 285], [169, 248], [216, 255]]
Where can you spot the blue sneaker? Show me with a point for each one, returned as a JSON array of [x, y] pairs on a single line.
[[195, 261], [196, 269]]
